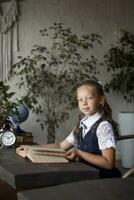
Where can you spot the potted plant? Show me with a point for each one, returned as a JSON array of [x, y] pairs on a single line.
[[7, 106], [52, 71], [120, 62]]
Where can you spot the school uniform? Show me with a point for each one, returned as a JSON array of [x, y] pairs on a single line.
[[96, 134]]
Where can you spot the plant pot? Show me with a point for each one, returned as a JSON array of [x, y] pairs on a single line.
[[126, 123]]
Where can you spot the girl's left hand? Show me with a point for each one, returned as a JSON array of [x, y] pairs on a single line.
[[71, 154]]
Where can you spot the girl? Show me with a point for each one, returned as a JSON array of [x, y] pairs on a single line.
[[96, 140]]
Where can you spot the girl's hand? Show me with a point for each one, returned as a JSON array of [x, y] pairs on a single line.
[[71, 154]]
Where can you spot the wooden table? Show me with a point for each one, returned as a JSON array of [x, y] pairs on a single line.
[[22, 174], [103, 189]]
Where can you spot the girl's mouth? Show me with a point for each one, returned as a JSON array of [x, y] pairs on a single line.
[[86, 109]]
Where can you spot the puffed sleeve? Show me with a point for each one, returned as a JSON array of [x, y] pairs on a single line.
[[105, 136], [72, 139]]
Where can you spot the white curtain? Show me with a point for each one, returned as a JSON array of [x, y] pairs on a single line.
[[8, 28]]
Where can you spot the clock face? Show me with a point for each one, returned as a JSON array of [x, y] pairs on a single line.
[[8, 138]]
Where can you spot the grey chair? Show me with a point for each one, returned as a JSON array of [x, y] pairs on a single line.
[[130, 171]]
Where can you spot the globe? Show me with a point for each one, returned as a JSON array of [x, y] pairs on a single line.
[[23, 115]]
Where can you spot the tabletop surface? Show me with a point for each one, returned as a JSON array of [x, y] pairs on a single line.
[[101, 189], [22, 174]]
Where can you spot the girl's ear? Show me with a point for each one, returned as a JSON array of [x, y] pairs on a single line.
[[103, 100]]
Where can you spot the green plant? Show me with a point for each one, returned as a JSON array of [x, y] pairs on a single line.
[[120, 62], [52, 71], [7, 107]]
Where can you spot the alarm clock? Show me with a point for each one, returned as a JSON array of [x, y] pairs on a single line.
[[7, 136]]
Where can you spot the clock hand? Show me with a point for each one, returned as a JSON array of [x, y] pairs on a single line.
[[10, 136]]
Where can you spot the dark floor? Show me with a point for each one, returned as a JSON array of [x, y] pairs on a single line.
[[7, 192], [119, 166]]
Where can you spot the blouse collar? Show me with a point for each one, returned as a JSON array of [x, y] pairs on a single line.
[[87, 122]]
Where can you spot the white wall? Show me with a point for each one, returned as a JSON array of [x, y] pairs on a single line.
[[84, 16]]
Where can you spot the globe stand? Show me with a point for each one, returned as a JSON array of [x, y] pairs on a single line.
[[18, 129]]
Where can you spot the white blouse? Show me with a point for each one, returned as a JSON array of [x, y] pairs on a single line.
[[104, 132]]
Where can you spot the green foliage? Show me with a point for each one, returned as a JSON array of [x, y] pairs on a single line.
[[52, 72], [120, 61], [7, 107]]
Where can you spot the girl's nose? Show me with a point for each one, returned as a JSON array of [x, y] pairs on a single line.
[[84, 101]]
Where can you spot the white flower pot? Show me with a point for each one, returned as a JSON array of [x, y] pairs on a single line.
[[126, 123]]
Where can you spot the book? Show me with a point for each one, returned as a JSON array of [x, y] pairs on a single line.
[[39, 154], [23, 139]]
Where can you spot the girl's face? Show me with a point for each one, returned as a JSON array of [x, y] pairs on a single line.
[[88, 100]]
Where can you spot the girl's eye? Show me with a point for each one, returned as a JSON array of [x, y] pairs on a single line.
[[85, 99], [88, 98], [80, 100]]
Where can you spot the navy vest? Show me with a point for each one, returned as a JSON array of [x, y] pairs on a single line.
[[90, 141]]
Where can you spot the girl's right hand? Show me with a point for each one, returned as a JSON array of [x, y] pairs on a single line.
[[71, 154]]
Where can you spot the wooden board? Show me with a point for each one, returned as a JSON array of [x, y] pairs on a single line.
[[103, 189]]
